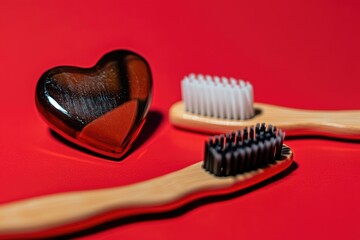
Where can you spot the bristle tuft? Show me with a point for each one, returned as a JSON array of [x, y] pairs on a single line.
[[243, 150], [218, 97]]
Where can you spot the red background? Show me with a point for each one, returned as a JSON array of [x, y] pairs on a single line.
[[302, 54]]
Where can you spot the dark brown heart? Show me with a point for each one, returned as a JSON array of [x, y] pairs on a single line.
[[101, 108]]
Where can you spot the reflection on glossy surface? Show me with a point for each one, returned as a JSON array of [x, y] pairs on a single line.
[[100, 108]]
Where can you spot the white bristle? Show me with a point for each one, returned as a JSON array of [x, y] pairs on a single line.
[[232, 98], [225, 98], [233, 82], [219, 97], [207, 98], [208, 78], [227, 106], [201, 92], [241, 96], [214, 103], [184, 93], [225, 81], [201, 77]]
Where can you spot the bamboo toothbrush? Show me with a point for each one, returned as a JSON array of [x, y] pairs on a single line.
[[232, 162], [217, 105]]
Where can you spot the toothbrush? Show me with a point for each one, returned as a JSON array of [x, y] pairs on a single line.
[[232, 162], [216, 105]]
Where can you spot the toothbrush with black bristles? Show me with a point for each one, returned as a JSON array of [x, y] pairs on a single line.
[[242, 151], [232, 162]]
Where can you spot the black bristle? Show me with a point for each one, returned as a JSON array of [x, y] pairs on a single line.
[[257, 128], [273, 149], [248, 160], [232, 138], [217, 163], [270, 129], [211, 142], [228, 137], [255, 154], [245, 134], [248, 143], [261, 136], [252, 131], [267, 152], [206, 155], [227, 166], [242, 151], [222, 140], [261, 152], [235, 162], [228, 146], [241, 160], [238, 137], [216, 140], [278, 147], [267, 136]]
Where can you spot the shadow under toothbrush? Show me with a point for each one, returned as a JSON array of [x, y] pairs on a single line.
[[153, 121], [179, 211]]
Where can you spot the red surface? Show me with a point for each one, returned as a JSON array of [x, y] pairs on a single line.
[[304, 55]]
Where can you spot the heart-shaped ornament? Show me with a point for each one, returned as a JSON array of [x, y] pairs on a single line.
[[101, 108]]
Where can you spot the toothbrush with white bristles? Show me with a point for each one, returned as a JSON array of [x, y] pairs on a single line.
[[215, 104], [218, 97]]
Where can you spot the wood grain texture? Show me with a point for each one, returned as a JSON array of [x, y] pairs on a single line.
[[342, 123], [32, 217]]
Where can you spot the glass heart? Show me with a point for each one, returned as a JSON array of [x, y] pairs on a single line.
[[101, 108]]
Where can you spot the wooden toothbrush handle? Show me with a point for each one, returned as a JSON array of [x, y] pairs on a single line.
[[337, 123], [62, 213], [341, 123]]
